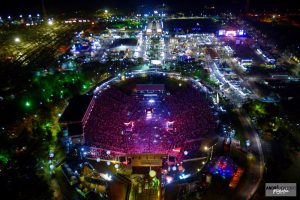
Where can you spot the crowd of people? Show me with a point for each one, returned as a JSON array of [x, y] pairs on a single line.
[[105, 125], [191, 113], [187, 108]]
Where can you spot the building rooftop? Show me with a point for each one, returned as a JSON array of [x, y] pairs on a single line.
[[76, 109]]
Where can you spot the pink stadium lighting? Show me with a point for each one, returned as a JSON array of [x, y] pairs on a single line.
[[177, 149]]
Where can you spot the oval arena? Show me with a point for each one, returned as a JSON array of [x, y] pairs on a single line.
[[151, 114]]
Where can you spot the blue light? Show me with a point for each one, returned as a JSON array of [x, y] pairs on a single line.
[[184, 176]]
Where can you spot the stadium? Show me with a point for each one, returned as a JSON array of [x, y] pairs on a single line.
[[151, 114], [153, 125]]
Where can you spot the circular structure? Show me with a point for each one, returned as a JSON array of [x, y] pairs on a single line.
[[148, 114]]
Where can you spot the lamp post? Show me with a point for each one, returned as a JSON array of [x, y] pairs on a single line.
[[17, 40], [209, 151]]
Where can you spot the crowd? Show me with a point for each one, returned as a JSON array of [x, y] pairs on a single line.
[[106, 122], [188, 109], [191, 113]]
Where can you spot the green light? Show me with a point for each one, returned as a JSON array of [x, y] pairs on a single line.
[[4, 157], [27, 104]]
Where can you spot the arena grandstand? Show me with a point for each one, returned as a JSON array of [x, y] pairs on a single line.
[[137, 118]]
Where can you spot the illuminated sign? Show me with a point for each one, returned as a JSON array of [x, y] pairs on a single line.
[[230, 33], [240, 32], [221, 32]]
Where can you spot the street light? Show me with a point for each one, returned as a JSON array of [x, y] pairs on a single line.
[[50, 22], [206, 148], [17, 40]]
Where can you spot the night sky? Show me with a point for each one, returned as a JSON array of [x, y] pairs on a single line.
[[58, 6]]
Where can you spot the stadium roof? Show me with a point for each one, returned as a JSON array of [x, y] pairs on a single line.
[[76, 109]]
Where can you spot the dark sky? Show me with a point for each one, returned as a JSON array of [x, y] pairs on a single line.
[[57, 6]]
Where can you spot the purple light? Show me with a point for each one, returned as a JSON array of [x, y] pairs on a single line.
[[230, 33]]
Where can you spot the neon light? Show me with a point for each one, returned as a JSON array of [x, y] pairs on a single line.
[[230, 33], [184, 176], [221, 32], [240, 32], [177, 149]]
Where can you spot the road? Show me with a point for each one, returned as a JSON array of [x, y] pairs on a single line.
[[253, 175], [255, 168]]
